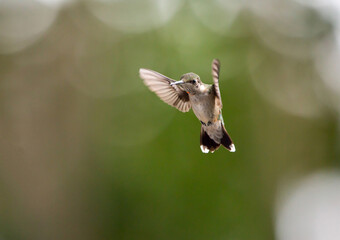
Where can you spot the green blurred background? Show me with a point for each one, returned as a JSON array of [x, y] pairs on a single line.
[[88, 152]]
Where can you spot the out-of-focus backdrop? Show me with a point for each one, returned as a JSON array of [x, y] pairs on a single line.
[[88, 152]]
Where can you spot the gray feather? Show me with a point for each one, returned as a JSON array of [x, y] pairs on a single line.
[[160, 84], [215, 67]]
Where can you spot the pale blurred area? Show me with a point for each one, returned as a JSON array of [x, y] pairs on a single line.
[[311, 208], [88, 152]]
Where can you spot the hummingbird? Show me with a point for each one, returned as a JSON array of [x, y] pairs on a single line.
[[204, 99]]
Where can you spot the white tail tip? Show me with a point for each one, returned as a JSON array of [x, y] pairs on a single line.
[[232, 148], [204, 149]]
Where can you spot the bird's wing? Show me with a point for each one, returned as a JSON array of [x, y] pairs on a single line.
[[215, 66], [160, 84]]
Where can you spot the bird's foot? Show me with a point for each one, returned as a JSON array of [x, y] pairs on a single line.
[[206, 124]]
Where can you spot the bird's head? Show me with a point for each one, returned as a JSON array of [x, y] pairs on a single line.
[[190, 82]]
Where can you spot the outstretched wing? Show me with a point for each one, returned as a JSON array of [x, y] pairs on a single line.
[[160, 84], [215, 66]]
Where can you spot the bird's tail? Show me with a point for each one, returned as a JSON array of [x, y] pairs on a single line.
[[226, 141], [207, 144], [213, 136]]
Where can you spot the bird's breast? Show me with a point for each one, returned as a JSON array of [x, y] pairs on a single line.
[[204, 107]]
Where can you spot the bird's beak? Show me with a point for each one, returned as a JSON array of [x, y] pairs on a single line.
[[177, 83]]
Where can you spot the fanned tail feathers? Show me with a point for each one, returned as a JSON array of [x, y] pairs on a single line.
[[207, 144]]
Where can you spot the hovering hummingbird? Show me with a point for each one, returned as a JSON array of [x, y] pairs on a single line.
[[204, 99]]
